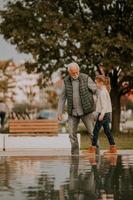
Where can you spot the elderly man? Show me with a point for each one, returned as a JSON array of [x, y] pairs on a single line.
[[78, 90]]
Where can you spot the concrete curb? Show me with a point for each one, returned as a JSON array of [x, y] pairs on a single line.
[[34, 142]]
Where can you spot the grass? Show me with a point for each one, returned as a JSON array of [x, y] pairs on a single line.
[[123, 141], [130, 119]]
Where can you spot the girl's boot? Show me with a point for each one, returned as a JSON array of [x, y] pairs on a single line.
[[92, 149], [112, 149]]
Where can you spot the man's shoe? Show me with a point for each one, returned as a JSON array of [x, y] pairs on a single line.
[[97, 150]]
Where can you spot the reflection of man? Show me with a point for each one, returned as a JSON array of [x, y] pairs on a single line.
[[78, 90], [82, 183], [73, 185]]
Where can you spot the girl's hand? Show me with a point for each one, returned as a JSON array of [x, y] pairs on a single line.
[[100, 117]]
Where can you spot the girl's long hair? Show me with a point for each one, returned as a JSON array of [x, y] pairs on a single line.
[[105, 80]]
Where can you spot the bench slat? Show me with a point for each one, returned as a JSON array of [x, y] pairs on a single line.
[[33, 131], [30, 121], [31, 125], [34, 125]]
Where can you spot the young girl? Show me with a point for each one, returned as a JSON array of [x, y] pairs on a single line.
[[103, 108]]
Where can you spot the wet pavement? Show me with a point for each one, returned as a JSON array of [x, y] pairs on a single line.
[[53, 152], [59, 176]]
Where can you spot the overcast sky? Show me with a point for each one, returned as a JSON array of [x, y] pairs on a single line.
[[8, 51]]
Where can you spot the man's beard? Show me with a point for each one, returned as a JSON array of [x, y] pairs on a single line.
[[75, 77]]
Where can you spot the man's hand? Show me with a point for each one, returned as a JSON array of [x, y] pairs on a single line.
[[60, 117], [100, 118]]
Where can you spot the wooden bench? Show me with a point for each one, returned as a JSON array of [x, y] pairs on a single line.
[[33, 126]]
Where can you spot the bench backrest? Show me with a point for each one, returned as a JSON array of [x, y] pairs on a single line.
[[34, 126]]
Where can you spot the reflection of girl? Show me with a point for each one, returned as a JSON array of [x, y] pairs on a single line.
[[103, 108]]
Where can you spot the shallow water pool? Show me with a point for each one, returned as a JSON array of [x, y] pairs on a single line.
[[66, 178]]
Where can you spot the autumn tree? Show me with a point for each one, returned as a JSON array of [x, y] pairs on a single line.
[[85, 31]]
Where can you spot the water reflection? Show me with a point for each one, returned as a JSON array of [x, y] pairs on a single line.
[[66, 178]]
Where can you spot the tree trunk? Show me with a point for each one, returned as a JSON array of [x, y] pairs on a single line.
[[115, 97]]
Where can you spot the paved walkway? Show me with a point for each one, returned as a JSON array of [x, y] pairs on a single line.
[[54, 152]]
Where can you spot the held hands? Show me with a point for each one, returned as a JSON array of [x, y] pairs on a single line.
[[100, 118], [60, 117]]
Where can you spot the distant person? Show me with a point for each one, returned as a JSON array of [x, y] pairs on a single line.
[[3, 113], [104, 109], [78, 90]]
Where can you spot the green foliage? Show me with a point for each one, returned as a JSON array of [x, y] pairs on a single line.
[[58, 32]]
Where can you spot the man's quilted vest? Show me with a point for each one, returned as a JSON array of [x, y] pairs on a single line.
[[85, 94]]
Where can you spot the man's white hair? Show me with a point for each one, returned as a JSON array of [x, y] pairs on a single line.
[[72, 65]]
